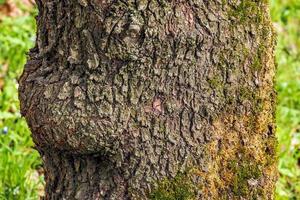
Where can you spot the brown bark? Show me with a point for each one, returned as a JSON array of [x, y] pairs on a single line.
[[123, 95]]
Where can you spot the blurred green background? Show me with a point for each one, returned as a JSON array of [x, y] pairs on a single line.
[[20, 166]]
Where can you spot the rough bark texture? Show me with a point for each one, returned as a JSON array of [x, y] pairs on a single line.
[[122, 97]]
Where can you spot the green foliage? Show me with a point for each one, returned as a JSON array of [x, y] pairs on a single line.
[[286, 15], [17, 36], [18, 161], [178, 188]]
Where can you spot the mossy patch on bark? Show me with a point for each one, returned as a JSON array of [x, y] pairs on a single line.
[[248, 10], [245, 174], [180, 187]]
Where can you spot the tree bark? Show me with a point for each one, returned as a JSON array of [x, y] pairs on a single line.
[[124, 97]]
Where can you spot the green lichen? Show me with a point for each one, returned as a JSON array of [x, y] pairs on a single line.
[[178, 188]]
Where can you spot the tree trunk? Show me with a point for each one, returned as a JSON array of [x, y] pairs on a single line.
[[153, 99]]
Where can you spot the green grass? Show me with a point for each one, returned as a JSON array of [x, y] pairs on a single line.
[[286, 16], [19, 162]]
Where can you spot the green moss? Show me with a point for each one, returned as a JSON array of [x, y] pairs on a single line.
[[257, 63], [243, 170], [248, 10], [251, 95], [215, 82], [271, 150], [178, 188], [246, 94]]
